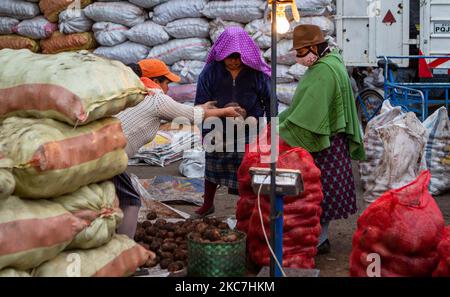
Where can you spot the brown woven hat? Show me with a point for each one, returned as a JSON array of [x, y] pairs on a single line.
[[307, 35]]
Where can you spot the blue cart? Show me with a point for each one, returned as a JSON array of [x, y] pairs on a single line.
[[419, 97]]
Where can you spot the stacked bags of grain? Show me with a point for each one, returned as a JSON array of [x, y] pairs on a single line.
[[21, 26], [63, 146]]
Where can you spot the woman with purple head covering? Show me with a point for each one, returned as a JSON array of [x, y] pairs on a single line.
[[235, 74]]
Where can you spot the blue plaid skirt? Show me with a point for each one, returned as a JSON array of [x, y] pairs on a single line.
[[222, 168]]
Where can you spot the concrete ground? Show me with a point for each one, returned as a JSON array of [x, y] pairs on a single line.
[[341, 232]]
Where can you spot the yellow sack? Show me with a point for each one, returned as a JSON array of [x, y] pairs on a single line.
[[52, 159], [52, 8], [9, 272], [98, 204], [7, 182], [32, 232], [18, 42], [60, 42], [73, 87], [120, 257]]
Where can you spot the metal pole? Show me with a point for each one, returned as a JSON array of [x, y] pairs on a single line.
[[273, 104]]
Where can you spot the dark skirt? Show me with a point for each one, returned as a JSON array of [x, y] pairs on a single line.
[[128, 196], [338, 183], [222, 168]]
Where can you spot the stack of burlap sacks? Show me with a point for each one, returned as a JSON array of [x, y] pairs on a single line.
[[59, 149], [179, 32]]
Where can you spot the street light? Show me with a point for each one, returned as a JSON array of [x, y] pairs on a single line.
[[278, 16]]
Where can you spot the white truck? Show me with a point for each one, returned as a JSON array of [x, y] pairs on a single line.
[[369, 29]]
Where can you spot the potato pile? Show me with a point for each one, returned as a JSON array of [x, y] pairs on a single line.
[[169, 240]]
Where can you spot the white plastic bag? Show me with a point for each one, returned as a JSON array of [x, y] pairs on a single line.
[[297, 71], [188, 28], [18, 9], [284, 54], [261, 33], [177, 9], [7, 25], [325, 24], [188, 70], [193, 165], [242, 11], [404, 142], [374, 145], [127, 52], [437, 151], [183, 93], [285, 92], [147, 3], [218, 26], [181, 49], [70, 22], [110, 34], [283, 75], [36, 28], [148, 33], [123, 13]]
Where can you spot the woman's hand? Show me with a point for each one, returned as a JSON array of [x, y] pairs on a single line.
[[232, 111], [209, 105]]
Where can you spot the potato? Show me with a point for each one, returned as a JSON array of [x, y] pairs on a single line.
[[180, 232], [180, 255], [179, 240], [169, 247], [140, 233], [169, 227], [146, 224], [195, 236], [160, 222], [165, 263], [170, 234], [201, 228], [154, 246], [152, 216], [169, 240], [183, 246], [230, 238], [165, 255], [223, 226], [212, 234], [151, 231], [148, 239], [162, 234], [175, 266]]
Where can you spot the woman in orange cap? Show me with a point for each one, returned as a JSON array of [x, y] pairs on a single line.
[[141, 123]]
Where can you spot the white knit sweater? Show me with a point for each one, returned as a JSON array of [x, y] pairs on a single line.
[[141, 122]]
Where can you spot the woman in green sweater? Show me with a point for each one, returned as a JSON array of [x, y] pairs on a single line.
[[323, 120]]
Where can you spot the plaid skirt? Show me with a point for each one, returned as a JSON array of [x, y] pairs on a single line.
[[125, 191], [222, 168], [338, 184]]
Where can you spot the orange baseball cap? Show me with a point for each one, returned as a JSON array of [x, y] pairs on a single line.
[[154, 68]]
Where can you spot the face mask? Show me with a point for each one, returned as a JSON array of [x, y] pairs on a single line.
[[308, 60]]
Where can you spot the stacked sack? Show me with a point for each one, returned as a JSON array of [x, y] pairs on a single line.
[[34, 26], [398, 146], [63, 146], [178, 32], [301, 221], [403, 228]]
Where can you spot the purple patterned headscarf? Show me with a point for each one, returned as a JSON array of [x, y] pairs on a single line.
[[237, 40]]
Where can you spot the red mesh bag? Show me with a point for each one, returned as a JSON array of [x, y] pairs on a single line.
[[403, 227], [301, 228], [443, 268]]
